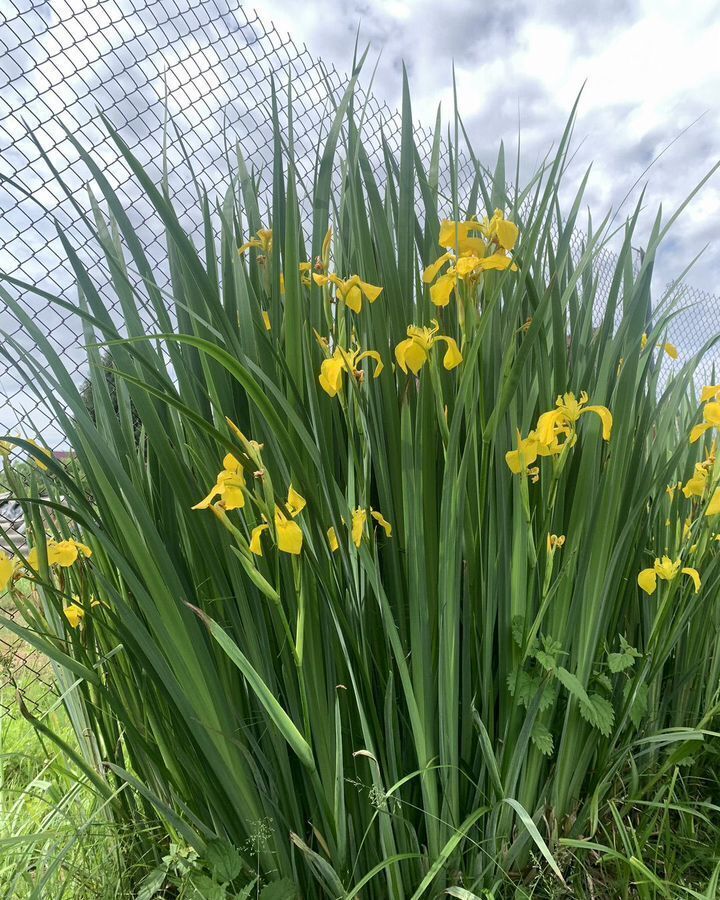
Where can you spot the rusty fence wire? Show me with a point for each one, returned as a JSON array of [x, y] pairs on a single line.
[[204, 65]]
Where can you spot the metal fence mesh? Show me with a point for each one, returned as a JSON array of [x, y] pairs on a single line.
[[209, 64]]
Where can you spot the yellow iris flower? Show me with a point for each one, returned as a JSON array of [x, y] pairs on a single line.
[[713, 507], [331, 369], [332, 539], [7, 569], [60, 553], [305, 270], [444, 286], [463, 236], [471, 259], [529, 448], [228, 486], [669, 348], [43, 450], [288, 533], [74, 614], [711, 417], [465, 267], [351, 291], [262, 241], [520, 459], [568, 411], [695, 486], [666, 570], [359, 520], [710, 392], [499, 230], [551, 426], [414, 351]]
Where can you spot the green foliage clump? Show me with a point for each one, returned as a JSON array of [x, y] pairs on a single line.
[[404, 627]]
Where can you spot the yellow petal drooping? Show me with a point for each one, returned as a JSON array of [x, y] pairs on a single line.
[[453, 356], [497, 261], [255, 544], [525, 455], [295, 503], [442, 289], [414, 351], [711, 417], [379, 518], [694, 574], [410, 355], [359, 517], [647, 580], [43, 451], [713, 507], [7, 567], [332, 369], [74, 614], [289, 534], [463, 236], [695, 486], [431, 273], [330, 377], [507, 233], [229, 485], [353, 298], [63, 554]]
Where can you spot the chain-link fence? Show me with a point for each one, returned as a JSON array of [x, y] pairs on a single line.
[[204, 64]]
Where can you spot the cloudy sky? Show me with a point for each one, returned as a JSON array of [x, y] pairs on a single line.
[[651, 70]]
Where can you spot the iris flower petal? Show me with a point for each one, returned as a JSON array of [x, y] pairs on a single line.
[[692, 573], [255, 545], [647, 580]]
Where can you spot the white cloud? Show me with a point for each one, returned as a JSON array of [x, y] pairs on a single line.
[[650, 70]]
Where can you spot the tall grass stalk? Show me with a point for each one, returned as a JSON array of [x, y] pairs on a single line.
[[435, 707]]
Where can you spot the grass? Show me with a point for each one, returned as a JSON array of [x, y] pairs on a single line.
[[449, 701], [56, 839]]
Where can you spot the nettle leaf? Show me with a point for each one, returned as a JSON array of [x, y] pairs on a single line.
[[279, 890], [627, 648], [618, 662], [527, 686], [639, 703], [602, 679], [624, 659], [541, 738], [547, 697], [520, 685], [517, 628], [152, 884], [223, 859], [546, 660], [548, 655], [599, 712], [206, 888], [572, 684]]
